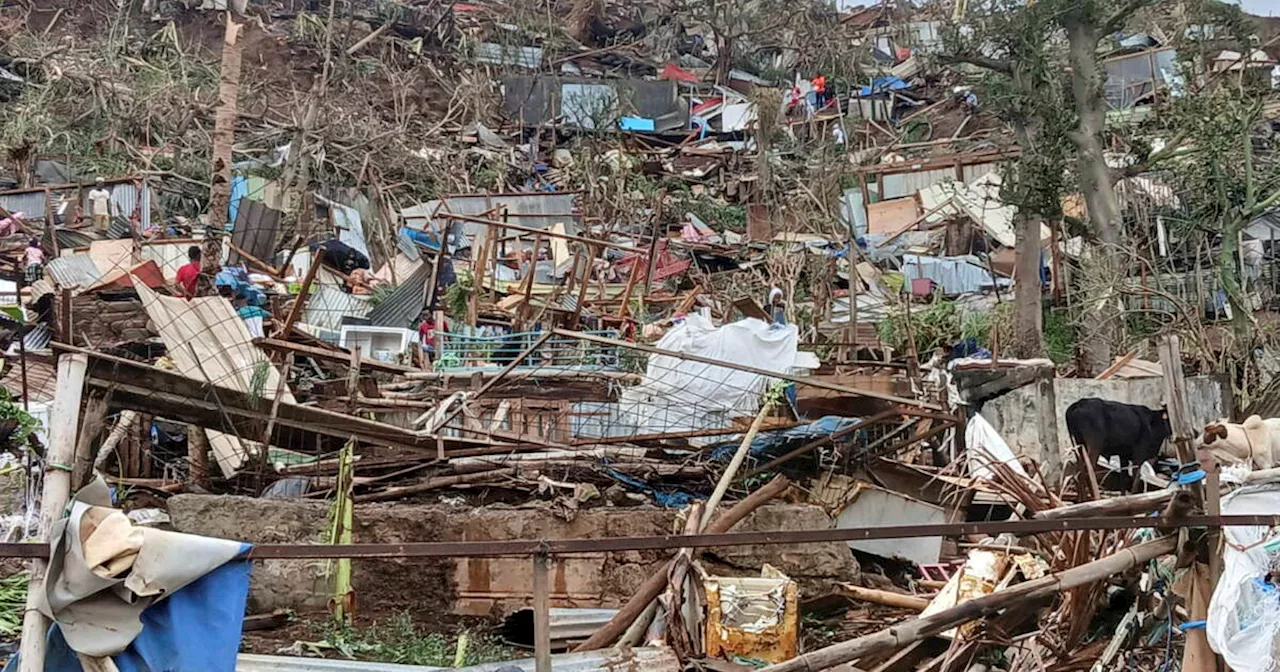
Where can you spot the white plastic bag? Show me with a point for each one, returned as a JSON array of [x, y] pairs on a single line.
[[1244, 614]]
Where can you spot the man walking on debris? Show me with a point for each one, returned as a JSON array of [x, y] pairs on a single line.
[[189, 273], [100, 205]]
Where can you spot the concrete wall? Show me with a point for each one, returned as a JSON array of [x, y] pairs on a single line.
[[1015, 415], [482, 586]]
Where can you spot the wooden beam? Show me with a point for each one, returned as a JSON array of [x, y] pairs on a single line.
[[295, 311], [172, 395], [331, 355], [546, 232]]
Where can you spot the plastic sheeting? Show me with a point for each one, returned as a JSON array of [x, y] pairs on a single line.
[[955, 275], [986, 447], [678, 395], [772, 442], [151, 599], [1244, 613]]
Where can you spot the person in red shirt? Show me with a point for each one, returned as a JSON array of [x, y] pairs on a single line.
[[189, 273]]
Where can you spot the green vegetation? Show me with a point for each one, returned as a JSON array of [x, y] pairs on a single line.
[[11, 411], [1060, 335], [399, 640], [943, 323], [13, 603]]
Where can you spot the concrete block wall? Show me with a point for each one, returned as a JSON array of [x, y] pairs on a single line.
[[1015, 415], [482, 586]]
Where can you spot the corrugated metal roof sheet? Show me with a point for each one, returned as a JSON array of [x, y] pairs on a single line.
[[255, 231], [31, 205], [38, 338], [68, 238], [404, 304], [73, 270], [42, 378], [408, 247], [509, 54], [327, 305], [533, 210]]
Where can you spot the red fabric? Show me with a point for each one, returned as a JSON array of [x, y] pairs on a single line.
[[187, 276], [679, 74]]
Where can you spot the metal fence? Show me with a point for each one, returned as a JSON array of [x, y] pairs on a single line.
[[463, 351]]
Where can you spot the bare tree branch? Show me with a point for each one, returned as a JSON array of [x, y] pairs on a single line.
[[995, 64], [1118, 18], [1172, 149]]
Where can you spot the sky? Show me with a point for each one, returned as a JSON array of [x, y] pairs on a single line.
[[1261, 7]]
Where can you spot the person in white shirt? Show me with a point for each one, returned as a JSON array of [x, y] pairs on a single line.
[[100, 205]]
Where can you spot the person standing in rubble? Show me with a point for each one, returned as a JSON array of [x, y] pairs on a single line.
[[100, 205], [820, 92], [189, 274], [777, 307], [35, 261]]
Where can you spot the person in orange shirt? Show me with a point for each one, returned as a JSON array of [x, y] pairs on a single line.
[[820, 90]]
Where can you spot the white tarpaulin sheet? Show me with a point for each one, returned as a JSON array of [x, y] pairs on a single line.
[[1244, 613], [986, 447], [678, 395], [208, 341]]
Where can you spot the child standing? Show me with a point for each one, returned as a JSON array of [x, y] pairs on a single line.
[[35, 261]]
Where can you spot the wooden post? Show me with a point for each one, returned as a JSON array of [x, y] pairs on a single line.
[[92, 421], [353, 380], [1175, 399], [526, 287], [541, 614], [1051, 452], [198, 457], [658, 233], [64, 321], [588, 260], [56, 493], [295, 311]]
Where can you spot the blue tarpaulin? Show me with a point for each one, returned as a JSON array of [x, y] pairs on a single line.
[[672, 499], [768, 442], [196, 629], [239, 190], [880, 85], [636, 124]]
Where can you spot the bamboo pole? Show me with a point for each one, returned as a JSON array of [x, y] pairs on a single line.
[[657, 582], [734, 464], [123, 424], [883, 597], [1115, 506], [57, 491], [903, 634]]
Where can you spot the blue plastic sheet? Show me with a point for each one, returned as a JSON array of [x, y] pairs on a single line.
[[671, 499], [636, 124], [239, 190], [882, 84], [196, 629], [768, 442]]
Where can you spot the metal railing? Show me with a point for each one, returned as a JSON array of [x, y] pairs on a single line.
[[461, 351]]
